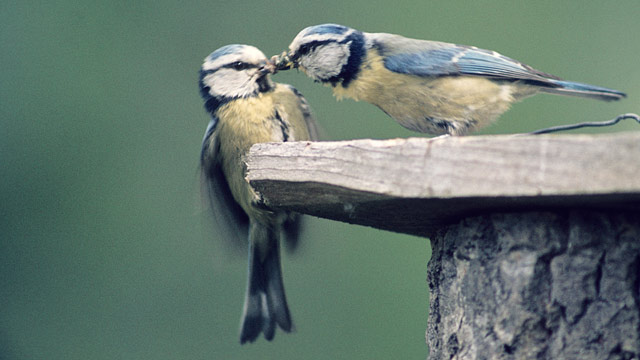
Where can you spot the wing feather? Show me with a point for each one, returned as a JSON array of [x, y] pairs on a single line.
[[432, 58], [229, 216], [312, 125]]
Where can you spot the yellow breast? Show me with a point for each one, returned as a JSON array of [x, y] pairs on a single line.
[[245, 122], [437, 105]]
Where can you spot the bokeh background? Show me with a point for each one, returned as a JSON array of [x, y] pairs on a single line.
[[104, 250]]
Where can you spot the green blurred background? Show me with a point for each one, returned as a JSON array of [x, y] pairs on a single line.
[[104, 250]]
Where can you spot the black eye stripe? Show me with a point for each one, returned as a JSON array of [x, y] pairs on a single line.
[[237, 65], [308, 47]]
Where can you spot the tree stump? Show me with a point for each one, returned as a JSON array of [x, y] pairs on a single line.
[[536, 285], [536, 239]]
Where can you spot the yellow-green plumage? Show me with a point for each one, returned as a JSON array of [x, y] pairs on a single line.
[[467, 102], [427, 86], [248, 108], [252, 120]]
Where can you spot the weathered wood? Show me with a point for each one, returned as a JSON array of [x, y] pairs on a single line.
[[415, 185]]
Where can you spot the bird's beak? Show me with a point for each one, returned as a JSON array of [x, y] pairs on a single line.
[[268, 68], [283, 62]]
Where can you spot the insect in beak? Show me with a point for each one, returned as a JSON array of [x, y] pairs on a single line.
[[283, 62], [268, 68]]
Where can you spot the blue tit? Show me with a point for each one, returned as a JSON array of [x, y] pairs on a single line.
[[246, 108], [426, 86]]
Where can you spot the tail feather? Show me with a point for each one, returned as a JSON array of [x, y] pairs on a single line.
[[265, 302], [572, 88]]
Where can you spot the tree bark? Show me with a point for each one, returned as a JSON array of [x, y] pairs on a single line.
[[536, 285]]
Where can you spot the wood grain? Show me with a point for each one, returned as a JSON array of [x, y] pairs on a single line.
[[416, 185]]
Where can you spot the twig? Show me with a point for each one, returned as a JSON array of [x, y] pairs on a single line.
[[552, 129]]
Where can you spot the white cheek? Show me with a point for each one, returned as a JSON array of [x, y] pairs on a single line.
[[231, 83], [326, 62]]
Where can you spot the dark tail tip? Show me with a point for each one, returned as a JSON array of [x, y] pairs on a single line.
[[265, 303], [262, 312], [251, 328], [572, 88]]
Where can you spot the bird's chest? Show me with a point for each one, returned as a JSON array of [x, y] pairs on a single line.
[[423, 103], [250, 121], [377, 85], [243, 123]]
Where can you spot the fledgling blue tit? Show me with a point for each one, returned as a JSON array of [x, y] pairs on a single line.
[[246, 108], [426, 86]]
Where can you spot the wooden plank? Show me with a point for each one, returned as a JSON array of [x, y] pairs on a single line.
[[415, 185]]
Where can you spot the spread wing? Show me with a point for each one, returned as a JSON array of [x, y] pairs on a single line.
[[229, 216]]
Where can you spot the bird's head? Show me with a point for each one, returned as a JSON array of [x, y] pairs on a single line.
[[235, 71], [325, 53]]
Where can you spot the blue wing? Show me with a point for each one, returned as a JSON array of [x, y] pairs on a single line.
[[229, 216], [430, 58]]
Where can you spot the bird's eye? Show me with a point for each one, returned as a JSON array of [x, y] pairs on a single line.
[[304, 48], [239, 65]]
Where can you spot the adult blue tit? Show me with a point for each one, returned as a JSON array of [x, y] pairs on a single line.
[[246, 108], [426, 86]]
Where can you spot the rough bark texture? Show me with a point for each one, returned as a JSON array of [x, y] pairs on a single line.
[[536, 285]]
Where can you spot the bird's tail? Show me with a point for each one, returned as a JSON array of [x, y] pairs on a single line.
[[265, 303], [571, 88]]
